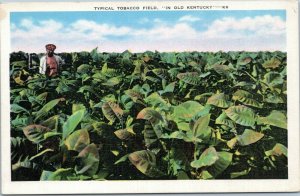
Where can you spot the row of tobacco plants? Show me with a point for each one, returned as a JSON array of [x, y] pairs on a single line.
[[151, 115]]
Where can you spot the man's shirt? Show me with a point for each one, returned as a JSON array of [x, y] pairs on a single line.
[[44, 60]]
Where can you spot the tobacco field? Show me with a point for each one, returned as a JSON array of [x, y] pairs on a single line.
[[150, 116]]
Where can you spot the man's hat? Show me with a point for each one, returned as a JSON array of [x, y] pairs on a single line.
[[51, 47]]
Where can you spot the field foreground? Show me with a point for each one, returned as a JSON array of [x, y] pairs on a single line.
[[152, 115]]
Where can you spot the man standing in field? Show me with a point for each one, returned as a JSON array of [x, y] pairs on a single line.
[[50, 63]]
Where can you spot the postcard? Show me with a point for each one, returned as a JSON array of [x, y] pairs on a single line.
[[150, 97]]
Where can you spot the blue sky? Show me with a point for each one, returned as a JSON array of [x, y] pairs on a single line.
[[117, 31]]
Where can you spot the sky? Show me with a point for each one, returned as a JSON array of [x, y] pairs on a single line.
[[168, 31]]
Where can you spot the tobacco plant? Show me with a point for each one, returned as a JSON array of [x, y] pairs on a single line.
[[151, 115]]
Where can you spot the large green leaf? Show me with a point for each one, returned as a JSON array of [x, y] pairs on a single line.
[[244, 60], [184, 112], [58, 175], [70, 125], [145, 162], [205, 175], [206, 110], [190, 78], [151, 134], [273, 98], [155, 100], [249, 137], [221, 69], [138, 67], [35, 133], [271, 64], [224, 160], [109, 72], [201, 129], [78, 140], [241, 115], [134, 95], [187, 110], [246, 98], [232, 143], [46, 108], [169, 57], [202, 98], [77, 106], [273, 79], [20, 123], [124, 134], [15, 108], [88, 161], [52, 122], [224, 120], [150, 114], [207, 158], [84, 68], [168, 89], [174, 72], [112, 111], [112, 81], [21, 64], [277, 150], [275, 118], [160, 72], [65, 86], [219, 100]]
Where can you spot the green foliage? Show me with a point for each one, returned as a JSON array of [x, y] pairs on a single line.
[[272, 63], [219, 100], [145, 162], [112, 111], [275, 118], [201, 129], [241, 115], [245, 98], [151, 115], [277, 150], [78, 140], [190, 78], [88, 161], [70, 125], [249, 137], [35, 133], [15, 108], [207, 158], [60, 174], [184, 112], [46, 108]]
